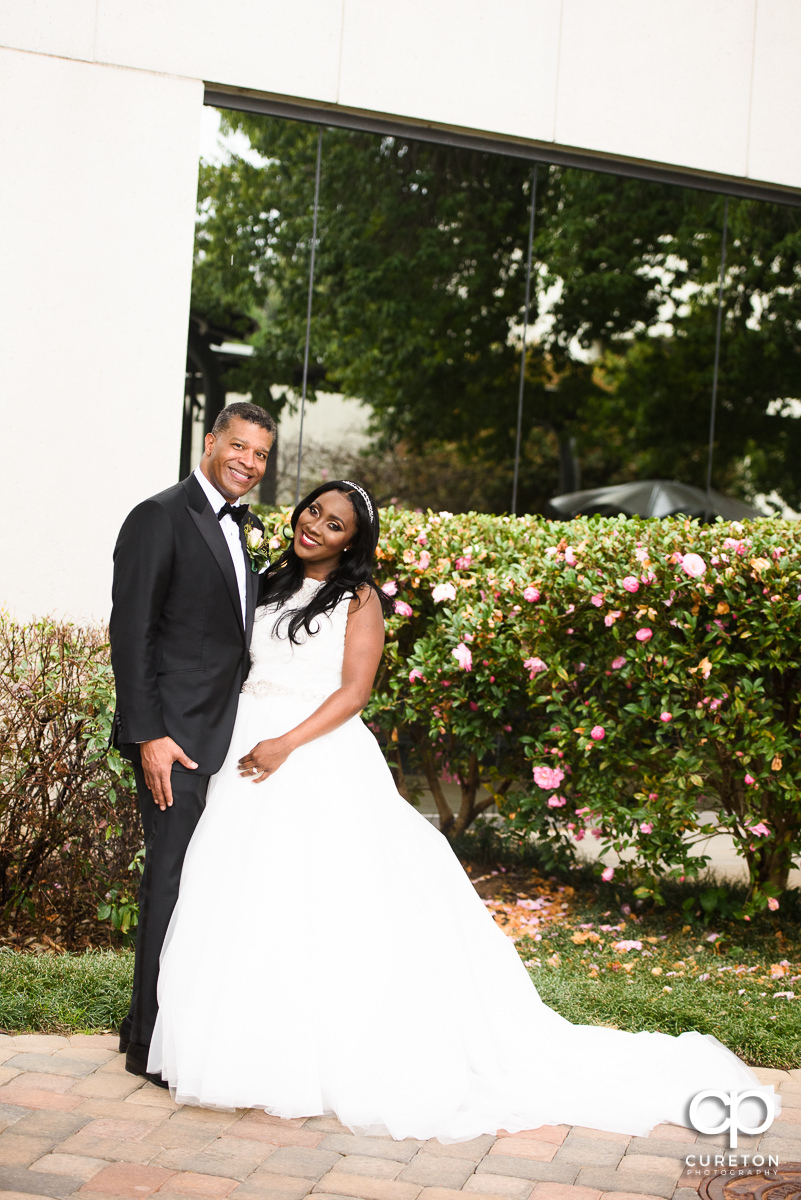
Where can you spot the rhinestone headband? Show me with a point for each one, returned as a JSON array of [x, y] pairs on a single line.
[[363, 495]]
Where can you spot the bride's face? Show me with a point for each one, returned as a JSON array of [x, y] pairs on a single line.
[[324, 530]]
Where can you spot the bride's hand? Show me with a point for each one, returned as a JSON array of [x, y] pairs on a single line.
[[264, 759]]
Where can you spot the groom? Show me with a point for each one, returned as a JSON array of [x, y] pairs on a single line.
[[183, 600]]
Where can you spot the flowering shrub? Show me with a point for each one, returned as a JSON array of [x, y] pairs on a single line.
[[595, 678], [69, 825], [602, 677]]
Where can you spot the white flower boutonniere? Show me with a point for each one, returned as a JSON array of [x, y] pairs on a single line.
[[256, 548]]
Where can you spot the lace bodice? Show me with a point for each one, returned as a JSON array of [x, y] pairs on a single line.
[[309, 670]]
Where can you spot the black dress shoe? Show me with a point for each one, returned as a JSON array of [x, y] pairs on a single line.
[[125, 1034], [136, 1064]]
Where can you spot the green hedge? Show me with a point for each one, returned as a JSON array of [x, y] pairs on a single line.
[[607, 678]]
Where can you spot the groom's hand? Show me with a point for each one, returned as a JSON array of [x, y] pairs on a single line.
[[264, 759], [158, 757]]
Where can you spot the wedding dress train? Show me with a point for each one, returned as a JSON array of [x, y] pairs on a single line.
[[329, 954]]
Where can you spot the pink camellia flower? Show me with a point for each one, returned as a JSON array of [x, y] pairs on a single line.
[[618, 662], [580, 834], [463, 656], [611, 617], [631, 583], [597, 600], [749, 779], [473, 706], [421, 539], [760, 829], [443, 591], [646, 827], [556, 802], [773, 903], [390, 588], [402, 608], [534, 666], [644, 635], [597, 733], [531, 594], [463, 562], [424, 560], [415, 674], [666, 716], [548, 777], [570, 557], [607, 874], [693, 565]]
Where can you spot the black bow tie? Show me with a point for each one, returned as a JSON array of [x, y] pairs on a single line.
[[237, 513]]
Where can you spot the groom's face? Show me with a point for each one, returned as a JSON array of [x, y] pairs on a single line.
[[234, 459]]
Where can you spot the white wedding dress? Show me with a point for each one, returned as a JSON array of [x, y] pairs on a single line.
[[328, 954]]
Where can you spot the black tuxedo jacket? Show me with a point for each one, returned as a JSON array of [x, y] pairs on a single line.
[[179, 649]]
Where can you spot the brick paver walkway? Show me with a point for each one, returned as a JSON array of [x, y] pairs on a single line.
[[75, 1124]]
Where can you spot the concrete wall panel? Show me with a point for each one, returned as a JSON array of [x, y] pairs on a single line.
[[774, 147], [494, 69], [668, 80], [291, 48], [701, 84], [49, 26], [97, 225]]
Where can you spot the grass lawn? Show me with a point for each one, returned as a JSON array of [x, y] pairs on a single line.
[[594, 957], [64, 993], [676, 981], [599, 957]]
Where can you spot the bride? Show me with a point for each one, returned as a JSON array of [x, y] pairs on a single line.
[[327, 953]]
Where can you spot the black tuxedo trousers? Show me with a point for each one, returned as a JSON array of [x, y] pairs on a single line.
[[179, 650], [167, 835]]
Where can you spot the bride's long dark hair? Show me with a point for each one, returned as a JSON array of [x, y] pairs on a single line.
[[286, 574]]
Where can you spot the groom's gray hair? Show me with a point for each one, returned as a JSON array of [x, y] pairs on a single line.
[[246, 412]]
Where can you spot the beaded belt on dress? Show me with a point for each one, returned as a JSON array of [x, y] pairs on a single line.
[[265, 688]]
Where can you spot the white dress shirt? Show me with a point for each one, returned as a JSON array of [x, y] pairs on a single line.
[[230, 531]]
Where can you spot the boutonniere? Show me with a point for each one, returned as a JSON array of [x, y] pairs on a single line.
[[256, 548]]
